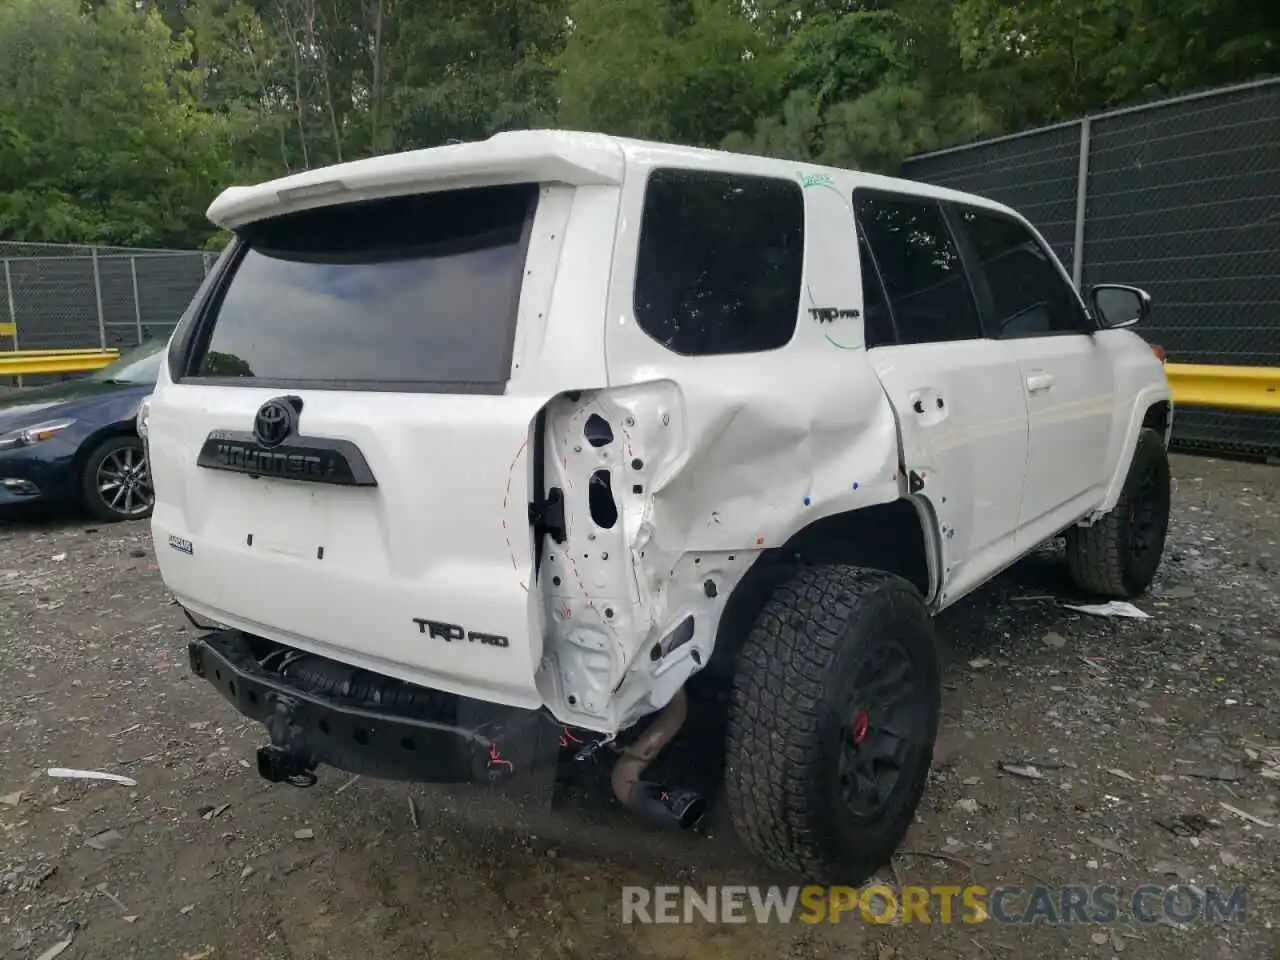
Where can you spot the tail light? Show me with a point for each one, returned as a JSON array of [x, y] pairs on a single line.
[[1159, 352]]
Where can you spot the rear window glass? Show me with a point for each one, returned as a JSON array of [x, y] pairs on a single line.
[[409, 293], [720, 262]]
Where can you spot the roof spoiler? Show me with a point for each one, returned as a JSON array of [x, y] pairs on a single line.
[[537, 156]]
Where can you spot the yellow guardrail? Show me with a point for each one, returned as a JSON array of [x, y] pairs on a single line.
[[1228, 388], [1194, 384], [17, 363]]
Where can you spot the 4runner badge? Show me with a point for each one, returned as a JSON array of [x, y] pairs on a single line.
[[451, 631]]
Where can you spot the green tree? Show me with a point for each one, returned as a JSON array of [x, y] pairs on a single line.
[[121, 119], [466, 69], [1058, 59], [688, 71], [869, 85], [101, 139]]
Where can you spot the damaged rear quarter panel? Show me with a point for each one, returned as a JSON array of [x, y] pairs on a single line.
[[709, 461]]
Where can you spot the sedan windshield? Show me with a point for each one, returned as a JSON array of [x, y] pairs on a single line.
[[139, 365]]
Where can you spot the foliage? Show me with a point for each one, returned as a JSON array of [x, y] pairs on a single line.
[[1064, 58], [690, 72], [101, 139], [121, 119]]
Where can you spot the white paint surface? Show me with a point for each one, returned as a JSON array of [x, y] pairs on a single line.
[[713, 460]]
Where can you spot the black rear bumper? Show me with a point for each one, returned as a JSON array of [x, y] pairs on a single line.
[[396, 732]]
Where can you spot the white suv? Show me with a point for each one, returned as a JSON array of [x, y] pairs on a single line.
[[476, 453]]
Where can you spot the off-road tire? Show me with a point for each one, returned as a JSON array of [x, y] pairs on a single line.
[[796, 672], [1102, 558], [93, 500]]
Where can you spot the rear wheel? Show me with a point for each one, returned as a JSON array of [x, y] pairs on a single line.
[[116, 482], [1118, 556], [832, 723]]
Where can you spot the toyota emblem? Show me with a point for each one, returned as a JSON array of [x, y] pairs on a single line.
[[274, 422]]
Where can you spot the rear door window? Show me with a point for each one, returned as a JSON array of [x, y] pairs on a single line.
[[921, 267], [720, 262], [415, 293]]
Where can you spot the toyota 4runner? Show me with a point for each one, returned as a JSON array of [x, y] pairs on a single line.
[[473, 456]]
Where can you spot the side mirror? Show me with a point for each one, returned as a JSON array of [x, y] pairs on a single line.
[[1117, 305]]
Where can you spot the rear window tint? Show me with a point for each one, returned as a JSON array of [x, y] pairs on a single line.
[[408, 293], [720, 262]]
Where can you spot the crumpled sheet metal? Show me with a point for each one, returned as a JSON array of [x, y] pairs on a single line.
[[701, 481], [713, 460]]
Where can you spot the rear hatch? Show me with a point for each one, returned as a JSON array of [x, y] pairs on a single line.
[[340, 461]]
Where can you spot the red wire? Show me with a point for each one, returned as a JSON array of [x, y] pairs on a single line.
[[494, 757]]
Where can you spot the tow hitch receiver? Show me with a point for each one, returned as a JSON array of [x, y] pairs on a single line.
[[280, 765]]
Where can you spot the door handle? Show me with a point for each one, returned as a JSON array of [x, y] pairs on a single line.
[[1039, 382]]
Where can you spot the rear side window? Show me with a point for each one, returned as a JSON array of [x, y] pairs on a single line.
[[1028, 297], [720, 262], [414, 293], [921, 268]]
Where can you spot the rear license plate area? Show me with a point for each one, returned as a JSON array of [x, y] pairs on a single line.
[[285, 520]]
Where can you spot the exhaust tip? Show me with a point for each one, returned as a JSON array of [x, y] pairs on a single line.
[[693, 813], [670, 805]]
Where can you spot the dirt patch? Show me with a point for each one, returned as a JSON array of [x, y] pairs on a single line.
[[1140, 735]]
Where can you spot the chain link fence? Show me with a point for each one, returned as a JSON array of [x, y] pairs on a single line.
[[1181, 198], [54, 296]]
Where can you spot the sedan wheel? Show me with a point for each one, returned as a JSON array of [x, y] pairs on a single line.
[[117, 480]]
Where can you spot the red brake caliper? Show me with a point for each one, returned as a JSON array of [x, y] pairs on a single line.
[[859, 728]]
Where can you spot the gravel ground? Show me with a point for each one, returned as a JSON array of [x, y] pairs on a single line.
[[1122, 721]]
